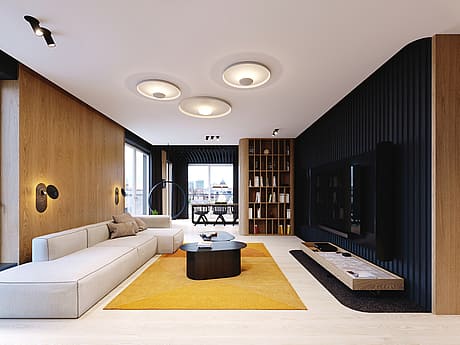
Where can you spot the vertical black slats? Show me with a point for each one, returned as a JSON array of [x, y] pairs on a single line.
[[393, 104], [427, 182], [418, 142]]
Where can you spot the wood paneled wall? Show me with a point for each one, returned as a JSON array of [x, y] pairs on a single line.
[[446, 174], [70, 145], [393, 104]]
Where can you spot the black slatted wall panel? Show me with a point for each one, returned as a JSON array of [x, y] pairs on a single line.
[[393, 104]]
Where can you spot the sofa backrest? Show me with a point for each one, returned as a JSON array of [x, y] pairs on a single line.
[[97, 233], [59, 244], [156, 221]]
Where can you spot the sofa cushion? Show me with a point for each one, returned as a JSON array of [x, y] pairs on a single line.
[[140, 223], [98, 233], [122, 229], [169, 239], [146, 245], [122, 218], [59, 244], [65, 287]]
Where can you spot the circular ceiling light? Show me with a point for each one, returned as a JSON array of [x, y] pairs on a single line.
[[159, 90], [204, 107], [246, 75]]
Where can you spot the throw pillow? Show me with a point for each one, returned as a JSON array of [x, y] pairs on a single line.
[[123, 218], [122, 229], [140, 223]]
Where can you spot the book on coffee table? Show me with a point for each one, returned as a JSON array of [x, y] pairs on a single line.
[[206, 236], [204, 244]]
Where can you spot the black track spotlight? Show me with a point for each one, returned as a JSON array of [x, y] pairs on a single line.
[[48, 38], [275, 132], [35, 24]]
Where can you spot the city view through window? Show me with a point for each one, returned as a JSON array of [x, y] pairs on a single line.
[[210, 183]]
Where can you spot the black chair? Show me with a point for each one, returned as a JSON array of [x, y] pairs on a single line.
[[219, 210], [234, 209], [201, 211]]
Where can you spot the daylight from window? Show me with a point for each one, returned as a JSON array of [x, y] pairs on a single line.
[[136, 180], [210, 183]]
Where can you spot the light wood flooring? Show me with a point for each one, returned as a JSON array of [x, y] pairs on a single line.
[[325, 322]]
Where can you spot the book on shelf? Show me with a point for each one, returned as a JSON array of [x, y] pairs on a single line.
[[250, 213], [261, 179], [282, 198], [270, 197], [274, 197], [250, 183], [286, 198], [288, 213], [259, 213], [274, 181], [257, 197], [280, 230], [256, 181]]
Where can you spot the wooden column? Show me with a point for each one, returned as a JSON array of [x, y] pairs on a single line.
[[446, 174], [9, 177]]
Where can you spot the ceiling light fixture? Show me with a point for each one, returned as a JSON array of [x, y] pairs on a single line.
[[275, 132], [246, 75], [159, 90], [212, 137], [204, 107], [41, 31], [48, 38], [35, 24]]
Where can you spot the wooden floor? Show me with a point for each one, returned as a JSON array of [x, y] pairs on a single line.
[[325, 322]]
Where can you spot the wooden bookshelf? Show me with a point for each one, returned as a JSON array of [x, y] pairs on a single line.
[[266, 188], [353, 271]]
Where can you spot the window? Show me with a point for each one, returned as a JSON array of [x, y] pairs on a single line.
[[136, 180], [210, 183]]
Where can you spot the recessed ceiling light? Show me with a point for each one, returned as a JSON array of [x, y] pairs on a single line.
[[212, 137], [246, 75], [159, 90], [204, 107]]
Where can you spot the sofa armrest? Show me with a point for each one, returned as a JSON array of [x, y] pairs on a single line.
[[156, 221]]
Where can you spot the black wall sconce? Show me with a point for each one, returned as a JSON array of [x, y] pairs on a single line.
[[41, 196], [117, 194]]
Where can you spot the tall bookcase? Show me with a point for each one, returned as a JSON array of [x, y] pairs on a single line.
[[266, 190]]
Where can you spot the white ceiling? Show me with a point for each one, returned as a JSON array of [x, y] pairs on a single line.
[[317, 51]]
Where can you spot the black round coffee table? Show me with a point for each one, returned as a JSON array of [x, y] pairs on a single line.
[[216, 236], [221, 260]]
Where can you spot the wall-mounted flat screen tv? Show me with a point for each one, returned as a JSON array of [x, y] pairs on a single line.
[[352, 198]]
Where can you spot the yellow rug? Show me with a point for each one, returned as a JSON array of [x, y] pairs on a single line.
[[164, 285]]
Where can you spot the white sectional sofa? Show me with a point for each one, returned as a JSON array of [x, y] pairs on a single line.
[[72, 270]]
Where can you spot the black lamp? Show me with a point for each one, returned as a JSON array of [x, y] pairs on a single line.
[[40, 31], [48, 38], [41, 196], [35, 24], [119, 191]]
